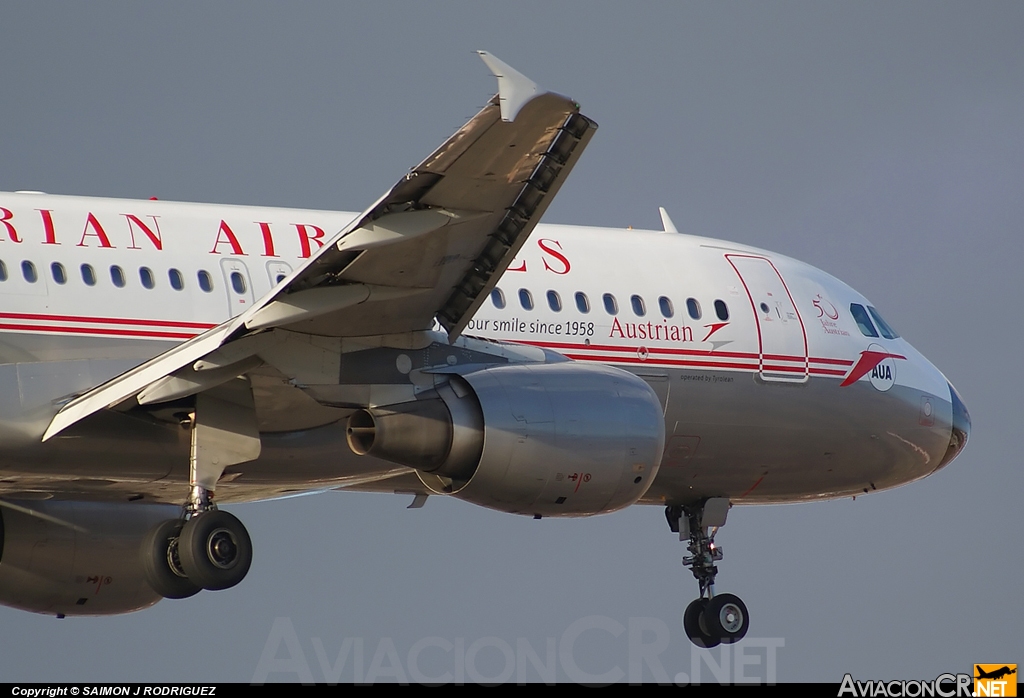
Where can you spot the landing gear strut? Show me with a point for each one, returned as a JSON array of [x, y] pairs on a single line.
[[710, 619], [206, 548]]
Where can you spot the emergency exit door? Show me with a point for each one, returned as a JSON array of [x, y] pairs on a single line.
[[238, 285]]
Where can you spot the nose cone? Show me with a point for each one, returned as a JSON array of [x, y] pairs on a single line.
[[961, 427]]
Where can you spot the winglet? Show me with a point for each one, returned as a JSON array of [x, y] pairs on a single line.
[[666, 222], [514, 88]]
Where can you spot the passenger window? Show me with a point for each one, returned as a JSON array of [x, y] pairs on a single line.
[[59, 275], [582, 302], [205, 280], [693, 308], [639, 308], [610, 304], [176, 279], [28, 270], [554, 301], [88, 275], [146, 277], [498, 299], [117, 276], [721, 310], [3, 271], [525, 299], [238, 282], [887, 331], [863, 321], [280, 278], [666, 306]]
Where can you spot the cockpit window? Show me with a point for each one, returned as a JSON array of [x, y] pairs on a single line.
[[887, 331], [863, 321]]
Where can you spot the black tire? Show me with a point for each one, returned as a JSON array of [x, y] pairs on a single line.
[[693, 625], [156, 552], [215, 550], [726, 618]]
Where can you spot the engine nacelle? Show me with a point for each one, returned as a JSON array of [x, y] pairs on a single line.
[[557, 439], [76, 558]]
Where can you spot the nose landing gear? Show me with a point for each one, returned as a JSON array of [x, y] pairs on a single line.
[[710, 619]]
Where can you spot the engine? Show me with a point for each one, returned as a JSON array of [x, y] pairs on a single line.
[[76, 558], [558, 439]]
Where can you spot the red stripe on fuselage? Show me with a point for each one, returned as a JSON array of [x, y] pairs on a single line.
[[682, 352], [110, 331], [633, 360], [107, 320]]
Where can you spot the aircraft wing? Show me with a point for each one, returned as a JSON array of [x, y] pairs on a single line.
[[433, 246]]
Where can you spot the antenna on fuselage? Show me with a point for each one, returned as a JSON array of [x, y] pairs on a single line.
[[666, 221]]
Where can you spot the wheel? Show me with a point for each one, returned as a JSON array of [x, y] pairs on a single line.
[[215, 550], [726, 618], [160, 564], [693, 624]]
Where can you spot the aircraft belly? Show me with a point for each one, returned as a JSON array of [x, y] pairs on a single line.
[[733, 435]]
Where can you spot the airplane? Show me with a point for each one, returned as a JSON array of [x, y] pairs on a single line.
[[163, 358]]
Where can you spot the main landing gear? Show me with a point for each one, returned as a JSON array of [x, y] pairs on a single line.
[[206, 548], [710, 619], [212, 550]]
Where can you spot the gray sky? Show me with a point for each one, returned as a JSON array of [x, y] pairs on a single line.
[[881, 142]]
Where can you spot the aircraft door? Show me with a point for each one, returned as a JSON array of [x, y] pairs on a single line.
[[781, 334], [277, 271], [238, 285]]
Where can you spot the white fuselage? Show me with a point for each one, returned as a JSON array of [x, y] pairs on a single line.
[[757, 358]]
